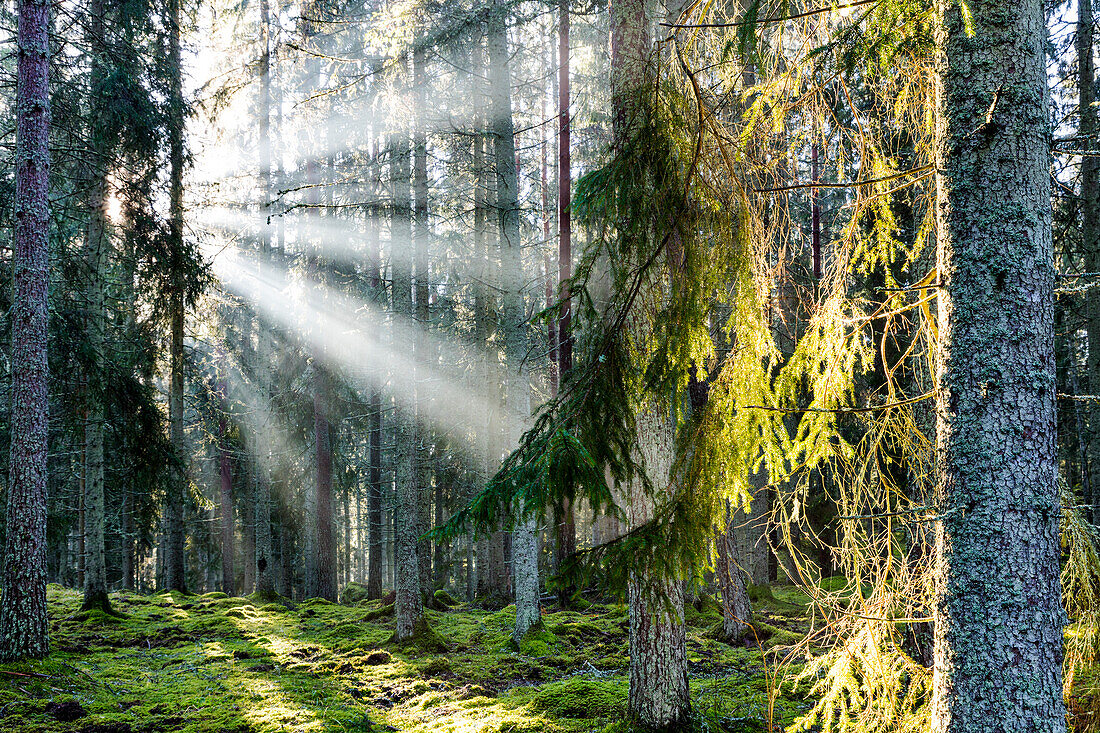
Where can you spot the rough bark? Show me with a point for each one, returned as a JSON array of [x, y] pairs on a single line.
[[736, 607], [326, 539], [409, 603], [24, 626], [658, 694], [225, 503], [1090, 236], [422, 467], [566, 524], [997, 604], [374, 496], [174, 569], [513, 314], [264, 554]]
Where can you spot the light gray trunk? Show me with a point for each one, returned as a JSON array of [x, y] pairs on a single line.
[[998, 614], [736, 607], [513, 313], [409, 604], [658, 694]]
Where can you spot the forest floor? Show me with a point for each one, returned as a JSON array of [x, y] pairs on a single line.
[[235, 665]]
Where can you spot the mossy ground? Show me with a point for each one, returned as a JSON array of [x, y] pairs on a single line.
[[218, 664]]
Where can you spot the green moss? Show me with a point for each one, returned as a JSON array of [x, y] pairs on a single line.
[[203, 664], [538, 641], [424, 639], [378, 613], [445, 599], [434, 667], [353, 593], [582, 697]]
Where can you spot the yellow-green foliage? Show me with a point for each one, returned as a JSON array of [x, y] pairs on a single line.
[[198, 664], [1081, 597]]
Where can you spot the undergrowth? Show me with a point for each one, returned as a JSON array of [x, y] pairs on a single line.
[[211, 663]]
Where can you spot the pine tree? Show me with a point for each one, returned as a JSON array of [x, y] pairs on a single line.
[[24, 626], [174, 567]]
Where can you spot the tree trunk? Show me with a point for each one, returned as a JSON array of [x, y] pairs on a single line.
[[225, 503], [24, 626], [264, 553], [374, 497], [1090, 237], [421, 470], [409, 604], [997, 604], [566, 524], [174, 569], [736, 607], [513, 313], [326, 540], [658, 693]]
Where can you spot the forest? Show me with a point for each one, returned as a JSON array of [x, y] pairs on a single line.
[[718, 366]]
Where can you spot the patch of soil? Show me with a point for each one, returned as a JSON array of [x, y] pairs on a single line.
[[261, 668], [378, 657], [67, 711]]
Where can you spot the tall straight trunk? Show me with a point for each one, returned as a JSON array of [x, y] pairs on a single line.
[[566, 525], [374, 497], [174, 570], [24, 626], [512, 312], [1090, 236], [409, 603], [128, 548], [97, 248], [815, 215], [658, 689], [421, 462], [482, 331], [225, 504], [658, 692], [326, 539], [264, 554], [998, 597], [286, 555]]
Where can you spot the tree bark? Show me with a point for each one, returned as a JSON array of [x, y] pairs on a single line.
[[225, 501], [421, 232], [1090, 236], [326, 540], [513, 313], [409, 603], [24, 626], [566, 524], [374, 498], [174, 568], [998, 597], [736, 607], [263, 557], [658, 694]]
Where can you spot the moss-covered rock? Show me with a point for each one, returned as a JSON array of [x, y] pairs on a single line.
[[353, 593], [583, 697]]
